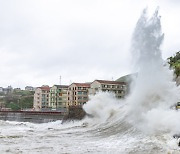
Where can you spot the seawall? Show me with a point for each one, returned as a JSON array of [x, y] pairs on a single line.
[[74, 113], [31, 116]]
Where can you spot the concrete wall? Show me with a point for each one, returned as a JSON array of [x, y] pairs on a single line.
[[29, 116]]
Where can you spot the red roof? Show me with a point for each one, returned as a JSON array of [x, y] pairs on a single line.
[[109, 82], [82, 84], [45, 88]]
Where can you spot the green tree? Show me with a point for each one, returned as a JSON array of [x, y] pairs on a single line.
[[174, 62], [19, 100]]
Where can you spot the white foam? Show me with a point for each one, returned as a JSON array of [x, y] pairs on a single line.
[[154, 91]]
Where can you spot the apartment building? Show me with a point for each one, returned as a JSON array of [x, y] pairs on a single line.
[[41, 98], [78, 94], [118, 88], [58, 97]]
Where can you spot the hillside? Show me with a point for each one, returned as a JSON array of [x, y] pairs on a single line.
[[127, 78], [17, 100]]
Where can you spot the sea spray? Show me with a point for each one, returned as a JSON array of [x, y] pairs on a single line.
[[154, 91], [102, 106]]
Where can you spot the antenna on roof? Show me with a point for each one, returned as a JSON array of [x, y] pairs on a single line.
[[59, 80]]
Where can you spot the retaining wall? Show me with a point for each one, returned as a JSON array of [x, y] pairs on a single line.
[[31, 116]]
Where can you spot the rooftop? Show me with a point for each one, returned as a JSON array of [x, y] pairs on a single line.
[[82, 84], [61, 86], [44, 88], [109, 82]]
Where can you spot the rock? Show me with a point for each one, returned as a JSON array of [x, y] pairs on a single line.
[[74, 113]]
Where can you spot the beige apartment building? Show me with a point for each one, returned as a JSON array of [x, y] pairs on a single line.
[[118, 88], [41, 98], [77, 94], [58, 97]]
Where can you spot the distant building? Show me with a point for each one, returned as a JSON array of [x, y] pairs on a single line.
[[118, 88], [58, 97], [41, 98], [7, 90], [29, 88], [17, 89], [1, 89], [78, 94]]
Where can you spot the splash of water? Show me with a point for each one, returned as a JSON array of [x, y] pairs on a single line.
[[102, 106], [154, 91]]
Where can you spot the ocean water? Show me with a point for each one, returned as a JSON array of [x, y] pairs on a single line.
[[142, 123], [78, 138]]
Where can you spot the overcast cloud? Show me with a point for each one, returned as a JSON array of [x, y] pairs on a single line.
[[79, 40]]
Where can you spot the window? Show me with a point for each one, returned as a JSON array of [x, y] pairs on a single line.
[[103, 86], [79, 98], [79, 92]]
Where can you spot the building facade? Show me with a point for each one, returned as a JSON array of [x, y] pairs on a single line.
[[41, 98], [78, 94], [58, 97], [118, 88]]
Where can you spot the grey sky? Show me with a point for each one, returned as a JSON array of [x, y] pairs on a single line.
[[81, 40]]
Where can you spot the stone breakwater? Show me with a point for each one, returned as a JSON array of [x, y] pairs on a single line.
[[74, 113]]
